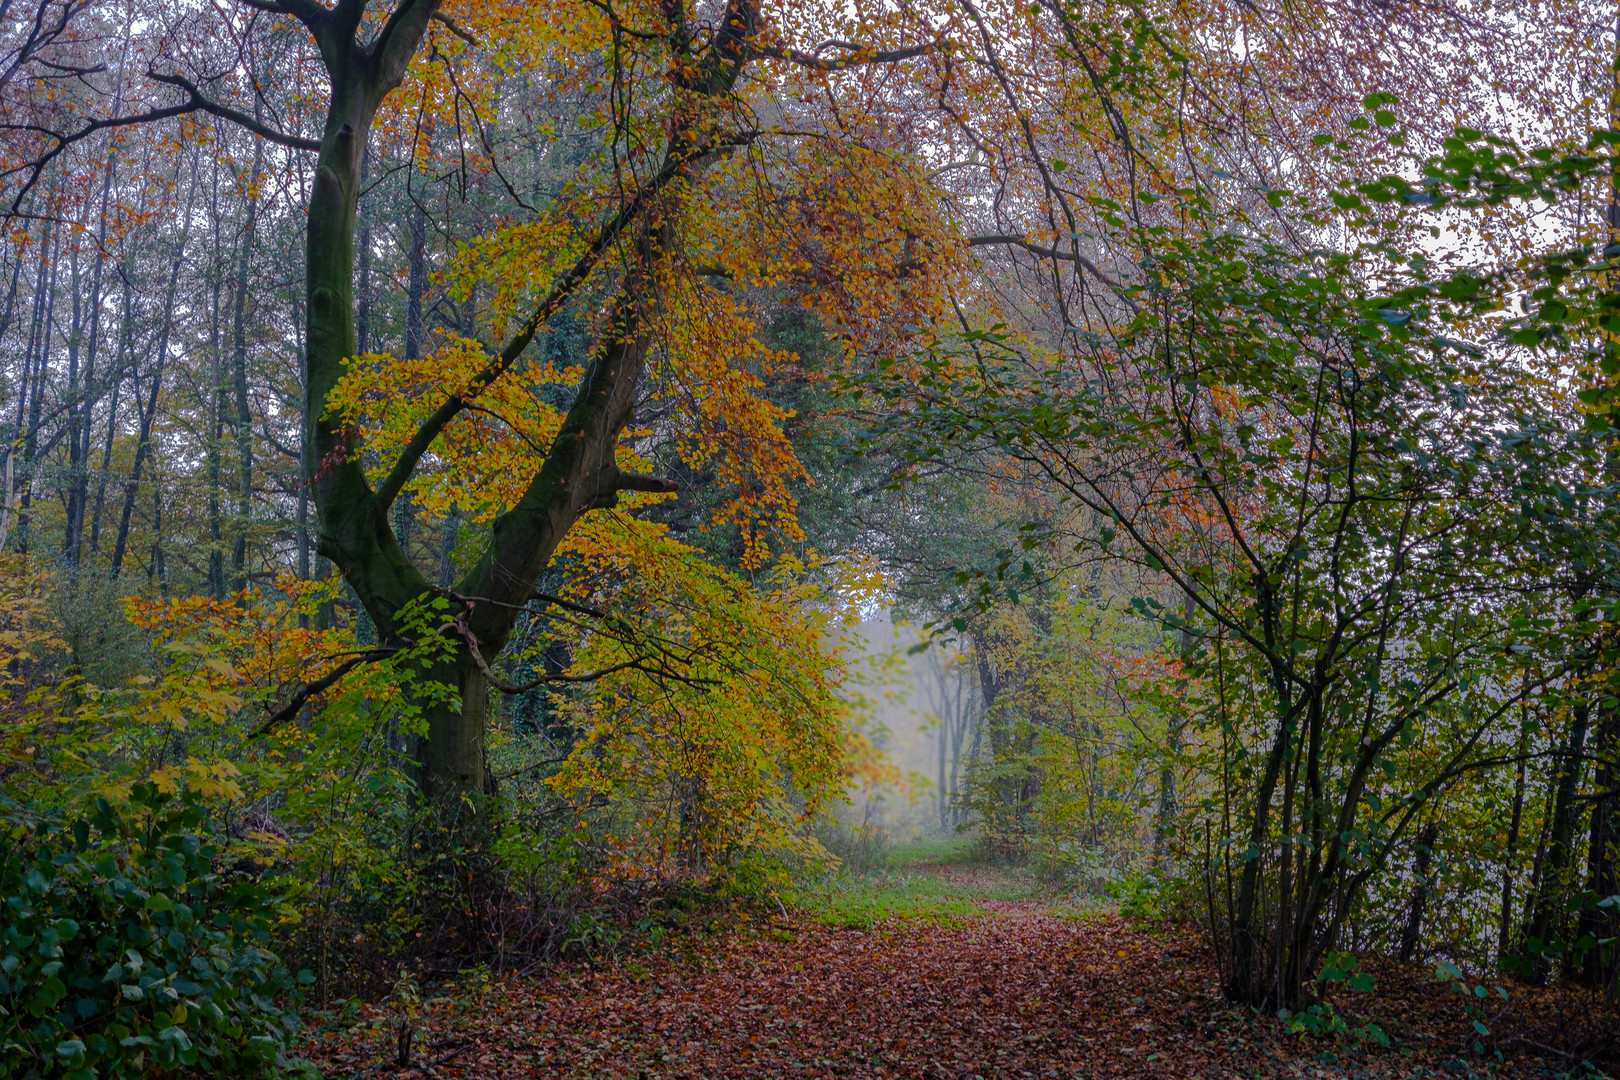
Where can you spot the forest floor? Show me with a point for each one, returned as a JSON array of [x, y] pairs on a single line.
[[935, 967]]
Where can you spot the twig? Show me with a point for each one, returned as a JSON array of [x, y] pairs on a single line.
[[310, 689]]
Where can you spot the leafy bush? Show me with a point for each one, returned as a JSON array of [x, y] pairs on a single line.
[[1138, 896], [125, 951], [1076, 866]]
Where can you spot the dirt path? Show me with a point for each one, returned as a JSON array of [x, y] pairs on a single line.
[[1014, 992]]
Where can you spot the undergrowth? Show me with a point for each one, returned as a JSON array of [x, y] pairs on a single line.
[[864, 900]]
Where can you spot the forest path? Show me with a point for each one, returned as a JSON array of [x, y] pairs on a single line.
[[1014, 987], [1015, 992]]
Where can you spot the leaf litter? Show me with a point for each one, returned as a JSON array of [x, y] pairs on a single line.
[[1017, 991]]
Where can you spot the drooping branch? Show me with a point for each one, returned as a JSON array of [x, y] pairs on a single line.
[[612, 480], [1053, 253], [199, 103], [461, 627], [195, 102], [451, 24], [311, 689]]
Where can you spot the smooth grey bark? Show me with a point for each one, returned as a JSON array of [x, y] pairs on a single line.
[[121, 355], [70, 401], [35, 363], [1169, 806], [239, 378], [216, 401], [416, 281], [157, 570]]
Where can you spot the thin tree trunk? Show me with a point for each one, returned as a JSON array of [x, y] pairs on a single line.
[[11, 298], [244, 415], [70, 402], [1412, 932], [1166, 820], [1504, 930], [416, 284], [148, 414], [1545, 932], [944, 741], [157, 568], [447, 547], [31, 345], [1242, 986], [216, 402], [35, 365], [126, 345], [82, 417], [7, 477], [1600, 962]]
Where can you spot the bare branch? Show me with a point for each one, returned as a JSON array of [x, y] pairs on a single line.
[[563, 677], [859, 55], [1051, 253], [195, 102], [310, 689], [638, 663], [632, 481], [200, 103]]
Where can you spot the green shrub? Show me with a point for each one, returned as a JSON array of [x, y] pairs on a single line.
[[1138, 896], [125, 951]]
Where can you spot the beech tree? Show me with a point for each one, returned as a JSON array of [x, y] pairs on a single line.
[[623, 240]]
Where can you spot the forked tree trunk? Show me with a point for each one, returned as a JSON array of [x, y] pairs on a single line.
[[578, 474]]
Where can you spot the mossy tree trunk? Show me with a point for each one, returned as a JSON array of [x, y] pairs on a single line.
[[578, 474]]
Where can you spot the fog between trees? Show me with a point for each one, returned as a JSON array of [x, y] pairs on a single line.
[[451, 450]]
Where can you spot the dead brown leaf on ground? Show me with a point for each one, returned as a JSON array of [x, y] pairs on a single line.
[[1018, 992]]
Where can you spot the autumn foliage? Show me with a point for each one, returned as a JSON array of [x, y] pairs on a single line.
[[453, 449]]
